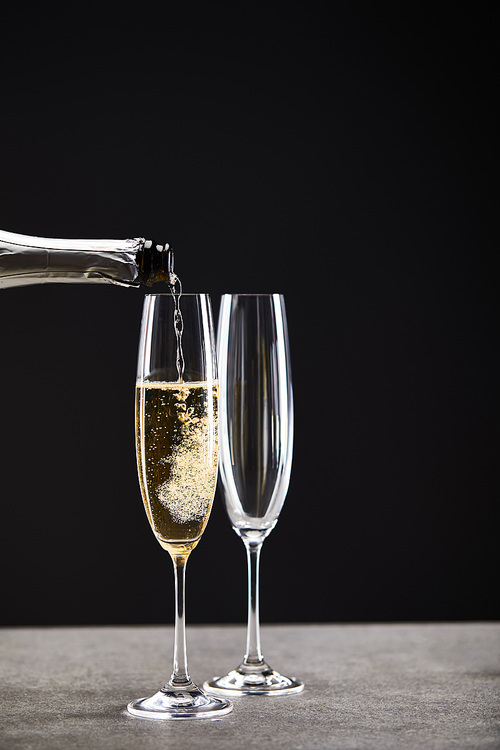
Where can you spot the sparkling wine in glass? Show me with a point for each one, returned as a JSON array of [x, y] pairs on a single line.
[[177, 455], [256, 440]]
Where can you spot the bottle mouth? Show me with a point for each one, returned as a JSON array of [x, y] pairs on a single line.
[[157, 263]]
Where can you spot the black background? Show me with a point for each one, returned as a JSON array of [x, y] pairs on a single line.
[[340, 154]]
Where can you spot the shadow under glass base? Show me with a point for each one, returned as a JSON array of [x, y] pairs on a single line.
[[171, 703], [254, 680]]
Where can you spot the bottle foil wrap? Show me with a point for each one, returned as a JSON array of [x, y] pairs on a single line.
[[37, 260]]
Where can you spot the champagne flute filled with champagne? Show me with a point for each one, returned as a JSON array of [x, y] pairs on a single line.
[[177, 455], [256, 438]]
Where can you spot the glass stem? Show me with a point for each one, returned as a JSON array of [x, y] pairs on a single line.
[[253, 655], [180, 677]]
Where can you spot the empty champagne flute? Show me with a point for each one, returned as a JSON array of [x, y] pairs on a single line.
[[177, 454], [256, 440]]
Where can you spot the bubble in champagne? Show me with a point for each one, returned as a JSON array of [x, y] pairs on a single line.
[[188, 492]]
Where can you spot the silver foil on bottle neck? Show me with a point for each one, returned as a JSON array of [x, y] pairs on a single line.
[[28, 260]]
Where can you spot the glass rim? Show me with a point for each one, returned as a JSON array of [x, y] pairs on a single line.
[[176, 294], [207, 294]]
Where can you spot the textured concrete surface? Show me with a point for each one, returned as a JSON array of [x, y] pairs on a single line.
[[367, 686]]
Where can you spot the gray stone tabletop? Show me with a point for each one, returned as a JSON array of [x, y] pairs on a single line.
[[368, 686]]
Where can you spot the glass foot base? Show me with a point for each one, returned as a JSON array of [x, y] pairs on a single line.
[[170, 703], [260, 680]]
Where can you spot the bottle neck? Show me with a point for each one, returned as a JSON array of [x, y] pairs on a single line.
[[28, 260]]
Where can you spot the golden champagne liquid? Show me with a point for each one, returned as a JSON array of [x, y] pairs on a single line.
[[177, 452]]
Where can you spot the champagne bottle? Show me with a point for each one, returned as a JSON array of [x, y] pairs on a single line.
[[28, 260]]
